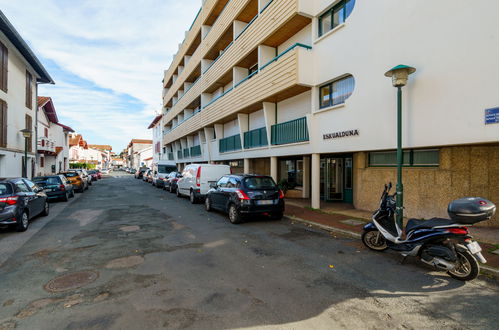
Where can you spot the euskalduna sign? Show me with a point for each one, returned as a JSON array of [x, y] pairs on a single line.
[[341, 134]]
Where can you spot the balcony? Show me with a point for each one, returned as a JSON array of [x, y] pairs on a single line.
[[46, 146], [292, 131], [231, 143], [196, 151], [255, 138]]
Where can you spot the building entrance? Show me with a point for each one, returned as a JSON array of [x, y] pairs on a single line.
[[336, 179]]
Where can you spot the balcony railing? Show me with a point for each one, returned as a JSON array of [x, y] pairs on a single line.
[[186, 153], [179, 154], [196, 151], [231, 143], [290, 132], [256, 138], [46, 145], [170, 156]]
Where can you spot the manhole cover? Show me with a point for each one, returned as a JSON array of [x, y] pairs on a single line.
[[71, 281]]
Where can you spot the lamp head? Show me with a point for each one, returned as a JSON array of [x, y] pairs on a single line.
[[400, 74], [26, 132]]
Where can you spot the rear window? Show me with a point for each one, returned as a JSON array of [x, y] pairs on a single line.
[[46, 181], [260, 182], [166, 168], [5, 189], [70, 174]]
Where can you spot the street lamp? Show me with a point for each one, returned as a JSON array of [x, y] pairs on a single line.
[[27, 135], [399, 75]]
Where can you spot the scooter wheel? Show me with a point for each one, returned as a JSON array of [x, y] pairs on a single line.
[[374, 240], [467, 268]]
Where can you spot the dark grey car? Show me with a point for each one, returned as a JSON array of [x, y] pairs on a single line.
[[20, 201]]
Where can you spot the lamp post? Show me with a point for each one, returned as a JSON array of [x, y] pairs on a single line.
[[27, 135], [399, 75]]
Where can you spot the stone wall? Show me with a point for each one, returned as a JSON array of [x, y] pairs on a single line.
[[464, 171]]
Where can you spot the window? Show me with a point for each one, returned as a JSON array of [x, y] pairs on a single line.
[[29, 90], [42, 161], [291, 171], [223, 182], [335, 16], [46, 132], [3, 124], [336, 92], [21, 187], [29, 124], [253, 68], [4, 54], [233, 183], [422, 157]]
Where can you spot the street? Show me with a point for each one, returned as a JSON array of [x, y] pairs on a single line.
[[152, 260]]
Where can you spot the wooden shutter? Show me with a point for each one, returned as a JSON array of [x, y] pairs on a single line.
[[29, 124], [4, 55], [29, 90], [3, 124]]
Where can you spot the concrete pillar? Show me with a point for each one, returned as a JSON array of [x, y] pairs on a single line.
[[306, 177], [273, 168], [246, 165], [316, 181]]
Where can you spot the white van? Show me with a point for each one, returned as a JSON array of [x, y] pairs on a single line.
[[196, 179], [160, 170]]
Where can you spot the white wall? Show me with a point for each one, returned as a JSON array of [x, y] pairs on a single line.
[[294, 107], [231, 128], [304, 36], [256, 120]]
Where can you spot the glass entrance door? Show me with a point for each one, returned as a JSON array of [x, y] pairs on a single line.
[[332, 179]]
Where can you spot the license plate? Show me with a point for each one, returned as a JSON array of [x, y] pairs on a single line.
[[474, 247], [265, 202]]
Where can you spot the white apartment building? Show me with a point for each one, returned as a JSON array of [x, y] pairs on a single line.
[[53, 140], [133, 155], [20, 74], [157, 139], [296, 89]]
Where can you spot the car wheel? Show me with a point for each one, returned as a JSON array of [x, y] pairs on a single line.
[[66, 197], [234, 215], [46, 209], [72, 193], [207, 204], [170, 189], [23, 223], [192, 197]]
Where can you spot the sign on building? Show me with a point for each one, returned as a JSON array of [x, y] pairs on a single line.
[[491, 116]]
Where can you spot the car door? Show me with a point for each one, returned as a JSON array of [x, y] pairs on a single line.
[[229, 190], [23, 192], [39, 197], [216, 195]]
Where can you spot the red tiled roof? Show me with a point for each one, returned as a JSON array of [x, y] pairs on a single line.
[[67, 128], [47, 105], [155, 121], [148, 159], [139, 141], [75, 140], [101, 147]]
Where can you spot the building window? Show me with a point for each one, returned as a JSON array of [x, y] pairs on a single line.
[[3, 124], [42, 161], [336, 92], [4, 60], [29, 90], [335, 16], [291, 172], [253, 69], [46, 132], [29, 125], [411, 158]]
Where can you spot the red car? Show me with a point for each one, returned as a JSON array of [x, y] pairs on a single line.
[[95, 174]]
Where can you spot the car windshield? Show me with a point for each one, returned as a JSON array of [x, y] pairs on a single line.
[[259, 182], [166, 168], [70, 174], [91, 172], [5, 189], [46, 181]]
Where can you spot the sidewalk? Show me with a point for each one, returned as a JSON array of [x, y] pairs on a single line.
[[342, 218]]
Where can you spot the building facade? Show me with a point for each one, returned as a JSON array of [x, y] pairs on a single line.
[[296, 89], [157, 139], [53, 140], [20, 74], [133, 152]]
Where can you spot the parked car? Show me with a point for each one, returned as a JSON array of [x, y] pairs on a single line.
[[79, 184], [20, 201], [140, 172], [147, 177], [170, 182], [246, 194], [105, 171], [161, 169], [196, 179], [84, 175], [94, 175], [55, 186]]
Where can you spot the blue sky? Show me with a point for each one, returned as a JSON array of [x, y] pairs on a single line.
[[107, 58]]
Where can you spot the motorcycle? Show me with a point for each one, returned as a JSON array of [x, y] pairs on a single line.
[[442, 243]]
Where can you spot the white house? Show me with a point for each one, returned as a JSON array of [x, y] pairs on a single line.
[[20, 74], [157, 139], [53, 139]]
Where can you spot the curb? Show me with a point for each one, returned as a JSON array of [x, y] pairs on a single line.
[[325, 227], [483, 269]]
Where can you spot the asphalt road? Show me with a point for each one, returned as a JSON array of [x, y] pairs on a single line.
[[157, 261]]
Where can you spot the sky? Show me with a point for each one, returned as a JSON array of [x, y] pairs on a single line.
[[107, 58]]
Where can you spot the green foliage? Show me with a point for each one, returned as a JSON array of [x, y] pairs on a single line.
[[86, 166]]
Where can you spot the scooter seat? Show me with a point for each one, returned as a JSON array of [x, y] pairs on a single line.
[[414, 224]]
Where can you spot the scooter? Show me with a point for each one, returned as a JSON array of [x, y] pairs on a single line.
[[442, 243]]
